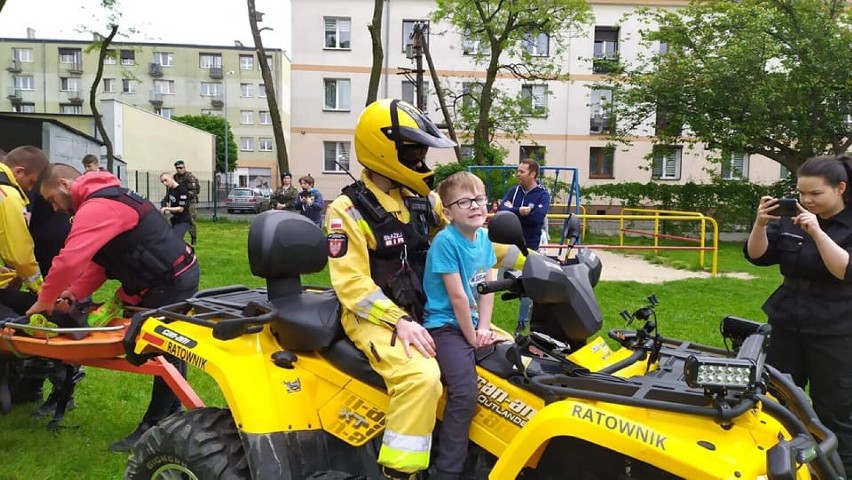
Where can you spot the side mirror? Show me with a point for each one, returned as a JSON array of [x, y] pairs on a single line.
[[505, 228]]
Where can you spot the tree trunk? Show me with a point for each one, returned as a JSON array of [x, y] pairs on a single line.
[[271, 97], [441, 100], [481, 137], [93, 92], [375, 28], [2, 3]]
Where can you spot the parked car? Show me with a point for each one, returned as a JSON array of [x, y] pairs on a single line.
[[247, 200]]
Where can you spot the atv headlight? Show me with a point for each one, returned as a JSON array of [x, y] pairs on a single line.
[[715, 373]]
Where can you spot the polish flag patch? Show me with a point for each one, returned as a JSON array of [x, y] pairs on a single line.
[[335, 224]]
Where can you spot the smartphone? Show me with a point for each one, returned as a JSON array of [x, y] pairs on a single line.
[[787, 207]]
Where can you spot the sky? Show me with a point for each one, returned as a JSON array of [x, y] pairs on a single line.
[[206, 22]]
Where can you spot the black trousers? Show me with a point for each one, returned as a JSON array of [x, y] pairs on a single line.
[[458, 372], [824, 363], [163, 401], [15, 302]]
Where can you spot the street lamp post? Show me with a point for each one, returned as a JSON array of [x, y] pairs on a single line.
[[225, 117]]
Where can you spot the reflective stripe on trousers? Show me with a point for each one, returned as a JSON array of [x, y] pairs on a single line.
[[414, 386]]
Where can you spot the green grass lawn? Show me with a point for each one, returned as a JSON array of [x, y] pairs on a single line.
[[110, 404]]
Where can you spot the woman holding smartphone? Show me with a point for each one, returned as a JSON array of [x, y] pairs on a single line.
[[811, 312]]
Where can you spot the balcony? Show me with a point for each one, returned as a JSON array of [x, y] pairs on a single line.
[[216, 73], [15, 95], [155, 69], [75, 97], [15, 67], [75, 68], [605, 63], [156, 99], [217, 101]]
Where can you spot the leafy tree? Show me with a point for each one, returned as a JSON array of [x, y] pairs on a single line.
[[215, 125], [506, 36], [768, 77]]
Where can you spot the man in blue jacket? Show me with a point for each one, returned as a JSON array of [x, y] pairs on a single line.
[[530, 202]]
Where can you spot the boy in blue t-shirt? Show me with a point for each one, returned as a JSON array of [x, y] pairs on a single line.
[[457, 317]]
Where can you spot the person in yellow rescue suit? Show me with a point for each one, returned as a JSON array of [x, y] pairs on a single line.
[[19, 171], [379, 231]]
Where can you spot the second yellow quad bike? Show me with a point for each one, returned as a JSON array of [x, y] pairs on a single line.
[[559, 403]]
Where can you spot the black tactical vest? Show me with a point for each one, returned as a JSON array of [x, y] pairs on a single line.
[[397, 244], [149, 255]]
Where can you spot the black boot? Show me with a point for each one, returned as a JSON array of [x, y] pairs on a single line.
[[127, 443]]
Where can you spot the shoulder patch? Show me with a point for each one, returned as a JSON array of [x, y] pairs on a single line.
[[335, 224], [338, 243]]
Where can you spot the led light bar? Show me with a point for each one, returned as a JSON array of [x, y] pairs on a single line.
[[719, 373]]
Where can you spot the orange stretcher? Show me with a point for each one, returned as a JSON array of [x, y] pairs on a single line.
[[101, 347]]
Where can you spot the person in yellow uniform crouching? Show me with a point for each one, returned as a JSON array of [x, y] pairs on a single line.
[[379, 230]]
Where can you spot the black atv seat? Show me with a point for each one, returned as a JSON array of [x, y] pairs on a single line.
[[311, 322]]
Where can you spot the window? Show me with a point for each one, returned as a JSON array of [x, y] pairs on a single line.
[[470, 94], [261, 90], [264, 144], [70, 109], [166, 87], [69, 84], [164, 59], [600, 110], [24, 108], [600, 162], [605, 50], [338, 33], [128, 57], [70, 55], [735, 166], [265, 117], [212, 113], [537, 45], [246, 117], [210, 60], [109, 85], [408, 30], [128, 85], [336, 94], [246, 89], [471, 45], [247, 144], [666, 163], [335, 156], [785, 174], [466, 152], [211, 89], [409, 93], [246, 62], [165, 112], [536, 152], [23, 82], [110, 58], [534, 99], [23, 55]]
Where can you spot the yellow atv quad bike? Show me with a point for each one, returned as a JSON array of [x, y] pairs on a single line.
[[304, 403]]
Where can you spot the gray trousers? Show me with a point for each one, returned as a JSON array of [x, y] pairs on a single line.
[[458, 372]]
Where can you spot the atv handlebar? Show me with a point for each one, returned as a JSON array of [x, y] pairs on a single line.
[[493, 286]]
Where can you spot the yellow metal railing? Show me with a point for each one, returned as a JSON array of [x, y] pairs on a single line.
[[657, 216]]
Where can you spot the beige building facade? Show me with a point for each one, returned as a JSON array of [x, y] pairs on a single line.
[[331, 69], [44, 76]]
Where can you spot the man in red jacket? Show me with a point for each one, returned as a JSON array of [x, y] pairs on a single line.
[[118, 235]]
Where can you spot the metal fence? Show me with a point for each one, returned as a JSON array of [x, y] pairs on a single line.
[[147, 183]]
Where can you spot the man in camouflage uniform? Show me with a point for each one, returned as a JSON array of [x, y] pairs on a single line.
[[188, 180], [285, 196]]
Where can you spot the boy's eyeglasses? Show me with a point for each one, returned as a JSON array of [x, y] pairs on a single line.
[[465, 203]]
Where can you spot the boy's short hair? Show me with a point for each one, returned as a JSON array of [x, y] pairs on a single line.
[[457, 181], [307, 179], [90, 159]]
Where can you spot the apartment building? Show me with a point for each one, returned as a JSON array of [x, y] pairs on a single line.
[[44, 76], [331, 69]]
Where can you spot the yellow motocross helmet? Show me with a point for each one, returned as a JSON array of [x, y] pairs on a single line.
[[392, 138]]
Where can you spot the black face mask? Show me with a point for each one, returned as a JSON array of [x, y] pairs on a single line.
[[413, 157]]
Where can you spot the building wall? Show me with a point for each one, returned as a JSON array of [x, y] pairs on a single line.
[[565, 132], [150, 74]]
